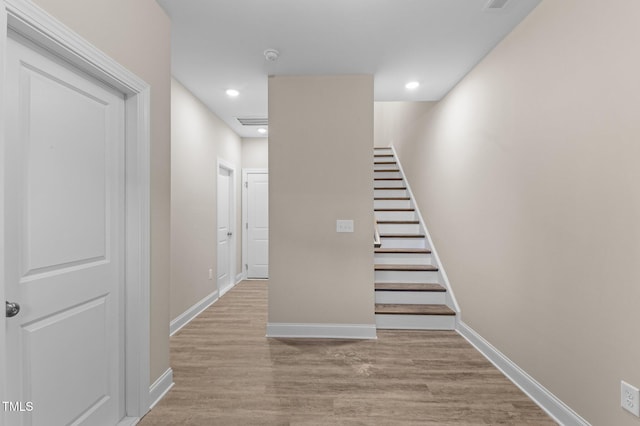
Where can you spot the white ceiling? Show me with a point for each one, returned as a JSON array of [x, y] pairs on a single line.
[[219, 44]]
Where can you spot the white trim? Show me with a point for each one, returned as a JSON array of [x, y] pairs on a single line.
[[29, 20], [240, 277], [160, 387], [322, 331], [434, 252], [224, 164], [245, 213], [551, 404], [187, 316]]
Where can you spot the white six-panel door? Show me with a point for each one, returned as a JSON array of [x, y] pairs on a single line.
[[257, 225], [64, 229]]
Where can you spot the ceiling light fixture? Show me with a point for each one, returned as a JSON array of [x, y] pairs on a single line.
[[271, 55], [262, 130], [412, 85], [232, 93]]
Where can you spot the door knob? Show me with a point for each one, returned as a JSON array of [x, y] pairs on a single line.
[[12, 309]]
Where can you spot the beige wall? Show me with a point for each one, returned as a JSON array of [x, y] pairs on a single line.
[[199, 139], [393, 119], [137, 34], [527, 173], [320, 170], [255, 153]]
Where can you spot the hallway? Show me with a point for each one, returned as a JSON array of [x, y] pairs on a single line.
[[227, 373]]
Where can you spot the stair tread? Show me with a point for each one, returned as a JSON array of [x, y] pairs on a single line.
[[390, 267], [398, 222], [384, 162], [395, 178], [392, 198], [401, 309], [401, 236], [395, 210], [394, 188], [382, 155], [387, 170], [409, 287], [403, 250]]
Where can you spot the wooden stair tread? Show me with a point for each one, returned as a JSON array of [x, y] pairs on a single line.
[[398, 222], [401, 309], [401, 236], [384, 162], [395, 178], [395, 210], [388, 267], [409, 287], [403, 250], [392, 198], [395, 188], [387, 170], [382, 155]]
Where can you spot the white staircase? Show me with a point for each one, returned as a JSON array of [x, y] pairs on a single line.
[[411, 289]]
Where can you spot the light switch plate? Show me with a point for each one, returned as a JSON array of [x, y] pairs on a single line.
[[344, 225]]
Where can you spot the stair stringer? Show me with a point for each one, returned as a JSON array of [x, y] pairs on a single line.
[[444, 279]]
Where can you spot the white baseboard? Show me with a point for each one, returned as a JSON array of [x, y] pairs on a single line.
[[185, 317], [322, 331], [553, 406], [160, 387], [240, 277]]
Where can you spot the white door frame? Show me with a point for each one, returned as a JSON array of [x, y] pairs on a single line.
[[245, 215], [32, 22], [223, 164]]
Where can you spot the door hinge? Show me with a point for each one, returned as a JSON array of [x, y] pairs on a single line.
[[246, 225], [246, 266], [246, 184]]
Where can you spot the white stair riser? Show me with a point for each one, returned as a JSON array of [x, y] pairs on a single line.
[[411, 215], [411, 297], [392, 204], [416, 322], [393, 166], [399, 228], [390, 242], [382, 150], [388, 183], [386, 175], [406, 276], [402, 258], [390, 193]]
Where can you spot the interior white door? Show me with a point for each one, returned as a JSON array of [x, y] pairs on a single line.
[[64, 240], [225, 232], [258, 225]]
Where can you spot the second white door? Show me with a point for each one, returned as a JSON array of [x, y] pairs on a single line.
[[257, 225], [225, 229]]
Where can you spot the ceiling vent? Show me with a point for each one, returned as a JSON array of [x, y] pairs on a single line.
[[253, 121], [496, 4]]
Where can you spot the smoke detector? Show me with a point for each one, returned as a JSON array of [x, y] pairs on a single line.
[[271, 55]]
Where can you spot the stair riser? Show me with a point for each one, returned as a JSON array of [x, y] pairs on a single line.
[[383, 150], [390, 193], [411, 297], [388, 183], [385, 175], [392, 204], [406, 276], [416, 322], [396, 215], [402, 259], [402, 242], [385, 166], [399, 228]]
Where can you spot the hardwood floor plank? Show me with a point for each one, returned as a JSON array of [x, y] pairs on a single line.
[[227, 373]]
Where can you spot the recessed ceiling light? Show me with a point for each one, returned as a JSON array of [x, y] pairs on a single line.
[[232, 93], [262, 130], [412, 85]]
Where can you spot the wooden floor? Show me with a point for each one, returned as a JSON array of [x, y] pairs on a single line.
[[227, 373]]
